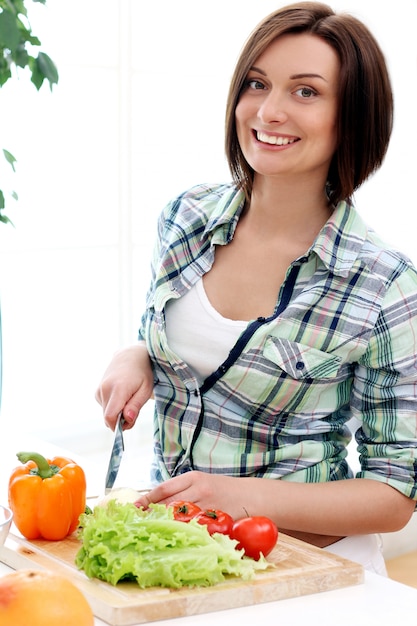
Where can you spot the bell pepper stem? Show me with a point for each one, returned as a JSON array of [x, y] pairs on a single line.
[[44, 469]]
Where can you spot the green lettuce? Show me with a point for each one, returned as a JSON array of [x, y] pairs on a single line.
[[122, 542]]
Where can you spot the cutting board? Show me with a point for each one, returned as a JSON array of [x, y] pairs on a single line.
[[300, 569]]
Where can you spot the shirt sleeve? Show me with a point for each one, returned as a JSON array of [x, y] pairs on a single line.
[[384, 394]]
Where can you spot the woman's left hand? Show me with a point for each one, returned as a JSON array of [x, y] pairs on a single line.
[[208, 491]]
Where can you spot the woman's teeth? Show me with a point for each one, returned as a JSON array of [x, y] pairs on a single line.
[[272, 139]]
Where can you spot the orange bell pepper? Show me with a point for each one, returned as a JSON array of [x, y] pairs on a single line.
[[46, 496]]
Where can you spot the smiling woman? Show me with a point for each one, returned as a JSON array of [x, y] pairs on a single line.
[[320, 70], [307, 318], [287, 105], [297, 108], [97, 162]]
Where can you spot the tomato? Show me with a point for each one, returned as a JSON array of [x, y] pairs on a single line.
[[255, 535], [216, 521], [184, 511]]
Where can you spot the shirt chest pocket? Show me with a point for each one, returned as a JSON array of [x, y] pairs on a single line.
[[299, 361]]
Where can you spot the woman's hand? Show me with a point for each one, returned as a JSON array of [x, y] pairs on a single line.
[[208, 491], [126, 386]]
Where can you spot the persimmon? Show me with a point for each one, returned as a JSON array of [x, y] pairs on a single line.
[[40, 597]]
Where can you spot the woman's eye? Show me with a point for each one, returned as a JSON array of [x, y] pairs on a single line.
[[254, 84], [306, 92]]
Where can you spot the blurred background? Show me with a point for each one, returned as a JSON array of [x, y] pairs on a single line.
[[137, 117]]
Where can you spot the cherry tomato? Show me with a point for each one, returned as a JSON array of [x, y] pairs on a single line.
[[216, 521], [255, 535], [184, 511]]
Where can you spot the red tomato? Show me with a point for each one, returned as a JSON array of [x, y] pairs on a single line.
[[255, 535], [184, 511], [216, 521]]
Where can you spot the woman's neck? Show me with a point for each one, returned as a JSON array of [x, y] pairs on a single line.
[[296, 209]]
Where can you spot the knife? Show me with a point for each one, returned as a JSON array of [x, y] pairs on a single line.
[[116, 454]]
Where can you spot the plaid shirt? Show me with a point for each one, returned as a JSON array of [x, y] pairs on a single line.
[[342, 344]]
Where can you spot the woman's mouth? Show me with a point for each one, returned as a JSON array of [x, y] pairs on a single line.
[[275, 140]]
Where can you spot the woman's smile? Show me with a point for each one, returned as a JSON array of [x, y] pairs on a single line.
[[275, 140], [289, 107]]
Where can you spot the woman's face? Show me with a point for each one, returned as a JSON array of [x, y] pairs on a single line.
[[287, 113]]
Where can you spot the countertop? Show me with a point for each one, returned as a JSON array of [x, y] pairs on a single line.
[[379, 601]]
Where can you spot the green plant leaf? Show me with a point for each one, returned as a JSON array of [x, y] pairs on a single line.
[[48, 68], [5, 72], [9, 158], [15, 35], [37, 77], [6, 220], [21, 57], [43, 67], [9, 32], [18, 6], [26, 35], [33, 40]]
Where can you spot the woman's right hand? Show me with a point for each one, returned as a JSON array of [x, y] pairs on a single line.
[[127, 384]]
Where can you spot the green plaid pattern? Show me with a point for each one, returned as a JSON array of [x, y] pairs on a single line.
[[341, 344]]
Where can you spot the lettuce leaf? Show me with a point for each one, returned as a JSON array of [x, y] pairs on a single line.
[[122, 542]]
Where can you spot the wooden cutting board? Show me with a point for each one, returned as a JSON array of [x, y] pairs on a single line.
[[300, 569]]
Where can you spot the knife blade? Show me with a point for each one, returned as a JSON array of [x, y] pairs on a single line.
[[116, 454]]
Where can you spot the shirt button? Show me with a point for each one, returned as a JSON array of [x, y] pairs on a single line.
[[299, 365]]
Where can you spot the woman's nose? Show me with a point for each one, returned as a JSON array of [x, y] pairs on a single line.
[[273, 108]]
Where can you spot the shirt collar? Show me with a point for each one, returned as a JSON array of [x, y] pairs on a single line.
[[341, 239], [224, 214], [337, 245]]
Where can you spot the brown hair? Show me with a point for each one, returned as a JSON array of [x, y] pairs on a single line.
[[365, 97]]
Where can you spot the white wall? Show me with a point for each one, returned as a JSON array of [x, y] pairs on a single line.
[[136, 117]]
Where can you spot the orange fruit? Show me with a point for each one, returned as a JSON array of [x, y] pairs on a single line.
[[42, 598]]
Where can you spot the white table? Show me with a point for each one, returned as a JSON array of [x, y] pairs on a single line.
[[379, 601]]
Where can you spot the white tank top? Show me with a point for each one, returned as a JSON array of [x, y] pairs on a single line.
[[198, 334]]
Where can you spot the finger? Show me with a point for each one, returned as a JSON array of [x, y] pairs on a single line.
[[144, 501], [151, 497], [119, 402], [112, 411], [177, 488], [130, 413], [134, 405]]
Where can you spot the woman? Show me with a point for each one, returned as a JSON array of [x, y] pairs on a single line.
[[275, 315]]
